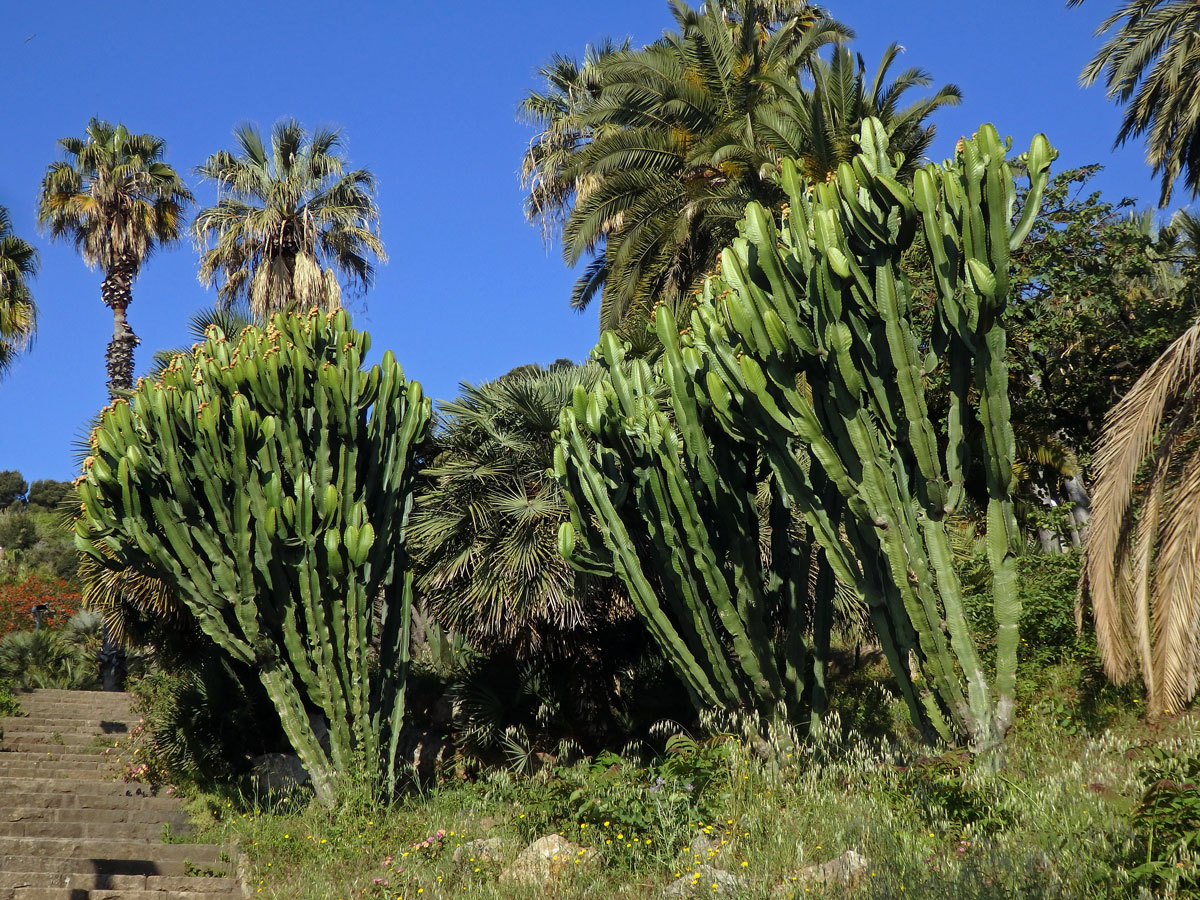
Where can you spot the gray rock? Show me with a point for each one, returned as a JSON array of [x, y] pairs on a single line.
[[489, 849], [841, 871], [545, 860], [278, 771], [705, 881]]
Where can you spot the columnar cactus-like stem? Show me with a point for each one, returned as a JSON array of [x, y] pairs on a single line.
[[827, 300], [268, 482]]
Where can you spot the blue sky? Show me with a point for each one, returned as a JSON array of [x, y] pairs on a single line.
[[426, 95]]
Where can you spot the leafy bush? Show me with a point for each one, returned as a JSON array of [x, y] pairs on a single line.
[[64, 659], [201, 722], [1167, 818], [8, 703], [1047, 592]]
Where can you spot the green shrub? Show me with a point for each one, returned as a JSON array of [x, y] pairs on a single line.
[[64, 659], [1167, 817], [8, 703]]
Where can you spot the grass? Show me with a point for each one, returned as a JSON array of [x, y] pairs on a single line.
[[1054, 822]]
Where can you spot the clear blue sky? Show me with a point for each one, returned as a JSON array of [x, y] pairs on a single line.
[[426, 95]]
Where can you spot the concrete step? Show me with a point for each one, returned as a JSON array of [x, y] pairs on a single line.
[[177, 818], [26, 786], [75, 894], [127, 831], [147, 865], [107, 849], [85, 881]]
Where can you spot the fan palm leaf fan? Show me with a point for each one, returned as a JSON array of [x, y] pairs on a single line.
[[291, 221], [1150, 65], [136, 608], [1142, 564], [484, 530], [18, 314]]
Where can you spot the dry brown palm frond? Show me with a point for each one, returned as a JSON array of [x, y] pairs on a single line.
[[1142, 563], [124, 597]]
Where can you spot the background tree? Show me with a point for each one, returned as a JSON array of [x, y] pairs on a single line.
[[12, 487], [18, 315], [1151, 66], [289, 221], [115, 198]]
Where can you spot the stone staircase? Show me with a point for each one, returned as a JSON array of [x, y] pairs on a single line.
[[71, 829]]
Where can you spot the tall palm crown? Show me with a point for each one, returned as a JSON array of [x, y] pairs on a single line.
[[817, 118], [116, 199], [1151, 66], [289, 220], [648, 155], [18, 315]]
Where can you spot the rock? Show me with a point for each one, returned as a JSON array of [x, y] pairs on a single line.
[[703, 849], [489, 849], [841, 871], [544, 860], [705, 881], [426, 752], [278, 771]]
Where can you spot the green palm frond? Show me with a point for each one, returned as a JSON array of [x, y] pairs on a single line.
[[484, 530], [113, 196], [292, 222], [647, 157], [18, 314], [1150, 65]]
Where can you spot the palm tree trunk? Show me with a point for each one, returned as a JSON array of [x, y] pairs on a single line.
[[117, 292]]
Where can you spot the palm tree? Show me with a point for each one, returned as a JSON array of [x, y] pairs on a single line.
[[484, 530], [289, 220], [817, 124], [1142, 564], [1151, 66], [648, 156], [18, 315], [118, 201]]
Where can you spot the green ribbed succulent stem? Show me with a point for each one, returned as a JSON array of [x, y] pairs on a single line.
[[824, 299], [268, 482], [663, 496]]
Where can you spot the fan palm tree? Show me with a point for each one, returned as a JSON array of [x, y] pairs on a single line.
[[116, 199], [1142, 565], [1151, 66], [18, 315], [647, 157], [484, 530], [290, 219]]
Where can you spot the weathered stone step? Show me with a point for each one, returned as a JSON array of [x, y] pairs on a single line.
[[29, 786], [128, 831], [91, 881], [177, 818], [68, 694], [74, 894], [107, 799], [70, 740], [101, 771], [107, 849], [78, 710], [146, 864], [51, 753], [63, 726]]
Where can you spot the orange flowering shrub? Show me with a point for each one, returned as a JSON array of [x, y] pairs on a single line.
[[18, 600]]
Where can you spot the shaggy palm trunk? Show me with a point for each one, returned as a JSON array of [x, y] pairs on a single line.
[[117, 292]]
